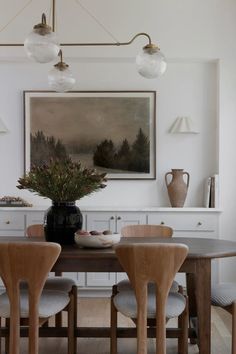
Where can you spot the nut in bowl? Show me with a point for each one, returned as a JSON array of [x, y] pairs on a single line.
[[96, 239]]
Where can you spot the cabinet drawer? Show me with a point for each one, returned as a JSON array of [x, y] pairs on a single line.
[[12, 221], [185, 221], [34, 218]]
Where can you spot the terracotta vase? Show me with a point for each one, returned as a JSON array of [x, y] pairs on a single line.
[[177, 187]]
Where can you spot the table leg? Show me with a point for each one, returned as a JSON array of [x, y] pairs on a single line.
[[190, 279], [203, 302]]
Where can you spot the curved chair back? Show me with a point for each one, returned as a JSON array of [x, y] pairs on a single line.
[[35, 230], [156, 263], [147, 230], [19, 261]]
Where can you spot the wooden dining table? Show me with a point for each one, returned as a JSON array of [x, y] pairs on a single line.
[[197, 267]]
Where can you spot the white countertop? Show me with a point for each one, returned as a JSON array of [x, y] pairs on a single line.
[[120, 209]]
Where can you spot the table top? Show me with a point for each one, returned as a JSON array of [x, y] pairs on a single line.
[[198, 247]]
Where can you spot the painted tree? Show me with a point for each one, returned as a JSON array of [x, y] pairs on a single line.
[[44, 148], [104, 154], [122, 157], [140, 152]]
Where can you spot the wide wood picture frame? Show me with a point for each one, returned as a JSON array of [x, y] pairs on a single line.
[[111, 131]]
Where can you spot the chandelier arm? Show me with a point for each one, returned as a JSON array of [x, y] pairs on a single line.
[[108, 44], [141, 34]]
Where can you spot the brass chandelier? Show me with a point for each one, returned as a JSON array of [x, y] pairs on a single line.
[[43, 46]]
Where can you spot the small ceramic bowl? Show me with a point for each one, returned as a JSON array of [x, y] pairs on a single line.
[[97, 241]]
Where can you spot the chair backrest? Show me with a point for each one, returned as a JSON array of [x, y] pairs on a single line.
[[35, 230], [151, 262], [30, 262], [147, 230]]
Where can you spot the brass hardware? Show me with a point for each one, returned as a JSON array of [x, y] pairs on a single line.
[[8, 222], [42, 28], [61, 66]]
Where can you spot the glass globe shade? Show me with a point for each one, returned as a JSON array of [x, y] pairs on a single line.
[[42, 48], [151, 64], [61, 80]]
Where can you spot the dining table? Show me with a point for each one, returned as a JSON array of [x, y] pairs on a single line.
[[197, 267]]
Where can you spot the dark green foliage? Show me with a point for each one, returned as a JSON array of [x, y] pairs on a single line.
[[140, 153], [129, 158], [104, 154], [45, 148], [123, 156], [62, 180]]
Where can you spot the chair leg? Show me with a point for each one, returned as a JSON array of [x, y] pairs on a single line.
[[71, 324], [0, 334], [183, 324], [58, 317], [75, 295], [58, 320], [113, 334], [7, 339], [234, 328]]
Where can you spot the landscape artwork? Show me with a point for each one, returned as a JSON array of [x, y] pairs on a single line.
[[113, 132]]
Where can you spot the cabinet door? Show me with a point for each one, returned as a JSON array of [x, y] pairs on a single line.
[[124, 219], [194, 224], [190, 224], [100, 279], [101, 221], [129, 218], [36, 217], [12, 223]]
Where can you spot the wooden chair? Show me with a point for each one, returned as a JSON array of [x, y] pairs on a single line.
[[160, 231], [58, 282], [144, 263], [19, 261], [35, 230], [147, 230], [224, 295]]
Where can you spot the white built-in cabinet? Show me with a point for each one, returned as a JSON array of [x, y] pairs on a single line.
[[189, 222]]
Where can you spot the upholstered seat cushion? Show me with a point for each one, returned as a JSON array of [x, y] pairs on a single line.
[[223, 294], [125, 302], [124, 285], [51, 302], [55, 283]]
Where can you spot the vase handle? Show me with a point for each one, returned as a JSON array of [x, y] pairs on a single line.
[[168, 173], [188, 177]]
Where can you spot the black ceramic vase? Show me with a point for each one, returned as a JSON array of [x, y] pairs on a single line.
[[61, 221]]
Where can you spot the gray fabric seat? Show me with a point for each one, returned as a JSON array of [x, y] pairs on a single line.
[[223, 294], [56, 283], [125, 285], [51, 302], [125, 302]]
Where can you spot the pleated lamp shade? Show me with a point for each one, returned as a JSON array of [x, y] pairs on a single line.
[[183, 125], [3, 128]]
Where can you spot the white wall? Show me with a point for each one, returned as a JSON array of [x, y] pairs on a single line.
[[193, 35]]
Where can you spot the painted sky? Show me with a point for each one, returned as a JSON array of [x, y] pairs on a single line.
[[85, 121]]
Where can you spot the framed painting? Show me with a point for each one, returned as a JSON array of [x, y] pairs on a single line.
[[112, 131]]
